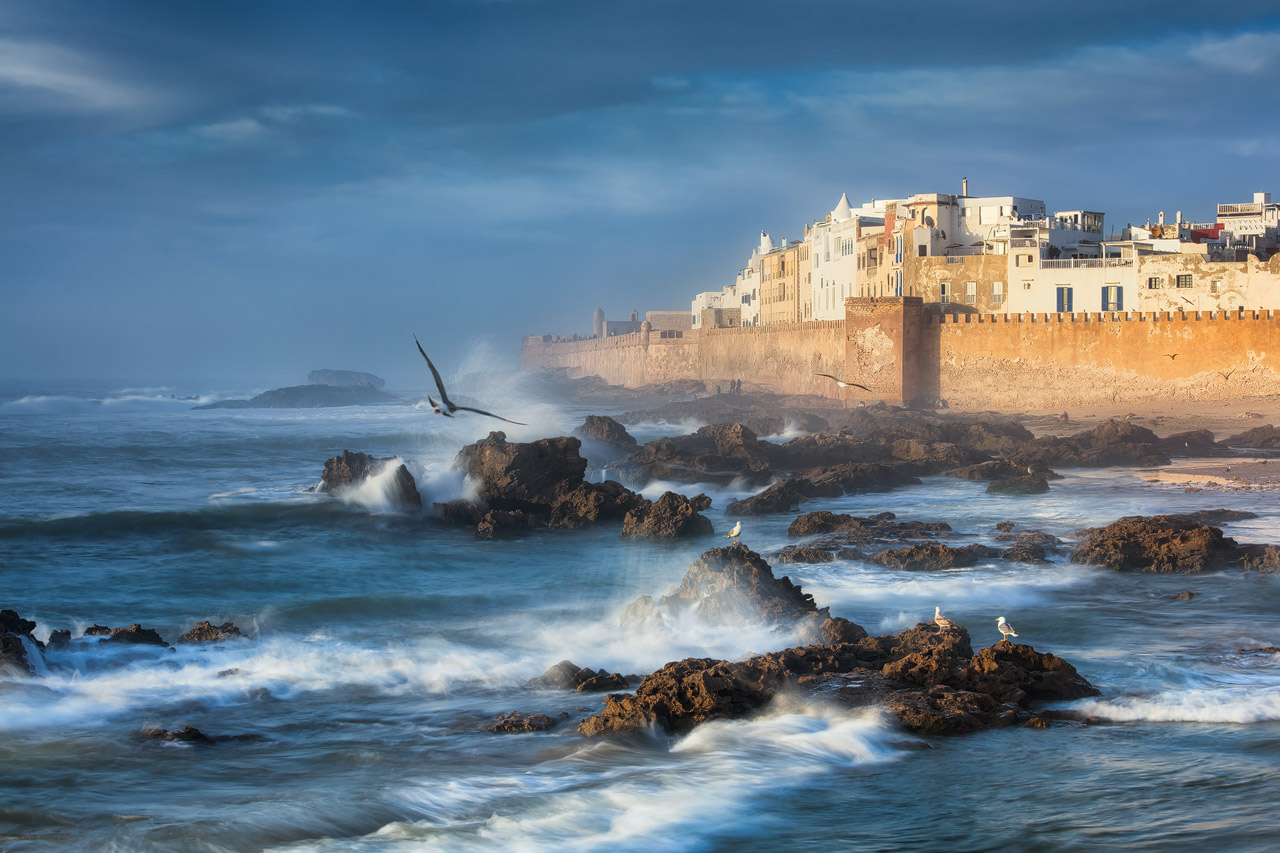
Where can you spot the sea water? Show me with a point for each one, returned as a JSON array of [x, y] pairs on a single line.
[[378, 642]]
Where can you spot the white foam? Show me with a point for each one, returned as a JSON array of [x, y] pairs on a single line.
[[1243, 704]]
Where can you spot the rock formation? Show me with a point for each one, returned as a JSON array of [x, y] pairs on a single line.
[[207, 632], [352, 469]]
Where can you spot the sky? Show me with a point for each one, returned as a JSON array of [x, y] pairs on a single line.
[[243, 192]]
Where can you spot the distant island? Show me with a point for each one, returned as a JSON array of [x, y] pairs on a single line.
[[345, 377], [309, 397]]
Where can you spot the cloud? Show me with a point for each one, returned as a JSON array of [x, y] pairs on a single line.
[[1249, 54], [235, 131], [41, 77]]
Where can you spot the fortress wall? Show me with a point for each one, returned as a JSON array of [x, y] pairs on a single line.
[[1052, 360], [620, 360], [782, 358]]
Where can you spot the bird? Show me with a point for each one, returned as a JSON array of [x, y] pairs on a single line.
[[445, 406], [1171, 356], [842, 382], [1006, 630], [735, 532], [1227, 375], [943, 623]]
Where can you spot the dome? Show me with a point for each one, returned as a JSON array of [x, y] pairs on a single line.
[[766, 244], [842, 211]]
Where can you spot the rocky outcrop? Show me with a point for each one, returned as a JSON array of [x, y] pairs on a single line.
[[934, 556], [1116, 442], [1260, 438], [345, 377], [514, 722], [567, 675], [1160, 543], [187, 734], [671, 516], [1030, 484], [309, 397], [207, 632], [720, 454], [607, 431], [855, 530], [833, 481], [1001, 469], [928, 679], [14, 630], [135, 635], [352, 469], [730, 586]]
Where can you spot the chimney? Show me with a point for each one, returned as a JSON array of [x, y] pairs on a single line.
[[1162, 217], [964, 187], [1179, 220]]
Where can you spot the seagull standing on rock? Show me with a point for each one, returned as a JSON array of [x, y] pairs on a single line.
[[1006, 630], [735, 532], [943, 623]]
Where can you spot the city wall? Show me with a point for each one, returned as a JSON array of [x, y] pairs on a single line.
[[972, 361]]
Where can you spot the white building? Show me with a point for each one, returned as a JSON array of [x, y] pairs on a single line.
[[835, 247], [746, 284]]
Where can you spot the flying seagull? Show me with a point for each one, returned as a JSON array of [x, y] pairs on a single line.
[[1227, 375], [735, 532], [841, 382], [943, 623], [1006, 630], [1171, 355], [447, 407]]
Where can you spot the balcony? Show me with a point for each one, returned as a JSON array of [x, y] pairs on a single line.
[[1239, 209], [1087, 263]]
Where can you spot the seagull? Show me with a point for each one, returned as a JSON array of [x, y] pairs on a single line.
[[1171, 356], [943, 623], [445, 406], [1006, 630], [735, 532], [843, 383], [1227, 375]]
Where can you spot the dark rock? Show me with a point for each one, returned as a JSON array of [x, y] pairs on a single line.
[[803, 554], [1011, 672], [837, 631], [672, 516], [865, 531], [1038, 723], [1003, 469], [1259, 438], [602, 682], [352, 469], [97, 631], [13, 651], [942, 710], [1005, 526], [1185, 595], [498, 522], [1220, 516], [933, 556], [1261, 558], [1026, 552], [187, 734], [1116, 442], [567, 675], [309, 397], [59, 640], [1030, 537], [1265, 650], [461, 513], [1198, 442], [345, 377], [607, 430], [207, 632], [720, 453], [514, 722], [136, 635], [1029, 485], [833, 481], [227, 673], [1160, 543]]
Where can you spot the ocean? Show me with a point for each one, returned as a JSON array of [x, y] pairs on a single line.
[[378, 642]]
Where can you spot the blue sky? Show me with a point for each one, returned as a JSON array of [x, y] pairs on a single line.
[[242, 192]]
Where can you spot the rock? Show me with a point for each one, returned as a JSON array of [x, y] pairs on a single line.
[[1012, 672], [732, 585], [606, 430], [803, 554], [933, 556], [566, 675], [832, 481], [672, 516], [207, 632], [1029, 485], [345, 377], [96, 630], [59, 640], [514, 722], [1005, 526], [1116, 442], [1265, 558], [1220, 516], [720, 453], [460, 513], [865, 531], [1185, 595], [837, 631], [227, 673], [352, 469], [1030, 537], [187, 734], [309, 397], [538, 483], [1003, 469], [136, 635], [1160, 543], [1026, 552], [942, 710], [1038, 723], [1259, 438], [1198, 442], [13, 650]]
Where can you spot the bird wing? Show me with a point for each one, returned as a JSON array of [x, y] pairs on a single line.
[[483, 412], [444, 395], [828, 375], [856, 385], [845, 381]]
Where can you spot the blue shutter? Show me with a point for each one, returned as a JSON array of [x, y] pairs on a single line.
[[1104, 297], [1119, 298]]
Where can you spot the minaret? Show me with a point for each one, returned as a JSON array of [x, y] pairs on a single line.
[[597, 325]]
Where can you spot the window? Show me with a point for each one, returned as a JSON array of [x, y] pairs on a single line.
[[897, 283], [1026, 285], [1215, 287], [1113, 298], [1064, 300], [1153, 283], [944, 292], [897, 248], [997, 292], [1184, 281], [970, 292], [922, 251]]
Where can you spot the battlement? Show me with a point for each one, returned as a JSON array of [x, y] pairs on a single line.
[[974, 318]]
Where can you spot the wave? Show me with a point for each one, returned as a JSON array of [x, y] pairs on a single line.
[[1239, 704], [613, 796]]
